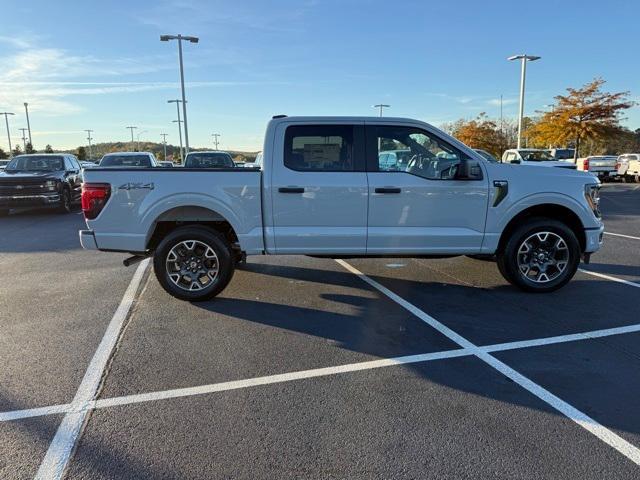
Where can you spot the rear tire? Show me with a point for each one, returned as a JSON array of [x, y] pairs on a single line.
[[193, 263], [541, 256]]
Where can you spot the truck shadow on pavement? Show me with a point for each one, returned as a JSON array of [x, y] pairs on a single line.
[[484, 316]]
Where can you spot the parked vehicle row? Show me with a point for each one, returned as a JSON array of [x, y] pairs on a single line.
[[329, 188], [628, 166]]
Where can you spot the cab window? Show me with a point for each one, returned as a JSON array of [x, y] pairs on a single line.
[[321, 148], [412, 150]]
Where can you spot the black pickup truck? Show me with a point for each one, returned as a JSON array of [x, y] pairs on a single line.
[[41, 180]]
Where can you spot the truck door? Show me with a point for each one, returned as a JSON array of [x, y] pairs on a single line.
[[422, 205], [319, 189]]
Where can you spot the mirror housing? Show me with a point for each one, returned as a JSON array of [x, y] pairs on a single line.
[[469, 170]]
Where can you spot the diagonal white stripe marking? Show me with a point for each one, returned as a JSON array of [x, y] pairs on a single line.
[[285, 377], [621, 235], [609, 277], [571, 337], [55, 461], [610, 438]]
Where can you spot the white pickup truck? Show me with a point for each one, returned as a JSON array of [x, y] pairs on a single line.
[[323, 192]]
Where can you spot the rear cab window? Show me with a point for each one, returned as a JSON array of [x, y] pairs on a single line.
[[324, 148]]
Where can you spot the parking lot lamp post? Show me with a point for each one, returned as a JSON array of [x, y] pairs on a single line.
[[24, 138], [89, 139], [132, 129], [181, 153], [138, 138], [523, 72], [6, 121], [381, 106], [177, 102], [26, 111], [180, 38], [164, 143], [215, 139]]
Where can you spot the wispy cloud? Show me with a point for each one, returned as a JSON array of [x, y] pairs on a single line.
[[495, 102]]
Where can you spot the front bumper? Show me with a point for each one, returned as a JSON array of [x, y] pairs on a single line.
[[594, 238], [41, 200], [88, 240]]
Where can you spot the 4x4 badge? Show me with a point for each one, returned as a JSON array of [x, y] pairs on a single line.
[[136, 186]]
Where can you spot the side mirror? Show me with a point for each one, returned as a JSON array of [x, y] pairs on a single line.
[[469, 170], [516, 161]]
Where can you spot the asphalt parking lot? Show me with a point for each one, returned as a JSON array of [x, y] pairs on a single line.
[[312, 368]]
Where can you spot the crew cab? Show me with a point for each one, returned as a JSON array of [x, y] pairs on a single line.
[[605, 167], [128, 159], [534, 156], [41, 180], [322, 191]]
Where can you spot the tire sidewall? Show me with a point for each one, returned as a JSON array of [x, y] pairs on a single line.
[[65, 201], [509, 258], [210, 237]]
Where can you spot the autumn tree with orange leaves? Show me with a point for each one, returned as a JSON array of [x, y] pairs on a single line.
[[585, 113], [481, 133]]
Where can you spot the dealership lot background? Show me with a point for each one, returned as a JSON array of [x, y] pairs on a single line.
[[312, 368]]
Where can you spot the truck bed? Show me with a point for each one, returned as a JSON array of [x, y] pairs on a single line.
[[142, 197]]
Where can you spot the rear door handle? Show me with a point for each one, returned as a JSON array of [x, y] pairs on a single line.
[[291, 190], [388, 190]]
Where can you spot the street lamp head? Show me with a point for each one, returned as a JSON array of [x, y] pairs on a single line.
[[530, 58], [166, 38]]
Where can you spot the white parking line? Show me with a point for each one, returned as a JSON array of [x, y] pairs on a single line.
[[620, 444], [609, 277], [621, 235], [55, 461], [304, 374]]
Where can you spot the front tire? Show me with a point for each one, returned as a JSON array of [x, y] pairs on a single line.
[[193, 263], [542, 255], [65, 202]]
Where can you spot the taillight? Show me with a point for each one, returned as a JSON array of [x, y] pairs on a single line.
[[585, 164], [94, 197]]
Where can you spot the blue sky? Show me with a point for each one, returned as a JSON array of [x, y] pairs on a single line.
[[103, 67]]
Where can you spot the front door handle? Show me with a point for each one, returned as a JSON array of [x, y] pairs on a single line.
[[291, 190], [388, 190]]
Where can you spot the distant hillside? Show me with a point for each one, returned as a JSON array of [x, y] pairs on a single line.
[[173, 151]]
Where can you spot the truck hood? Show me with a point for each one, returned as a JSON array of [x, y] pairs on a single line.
[[550, 163], [543, 175], [20, 176]]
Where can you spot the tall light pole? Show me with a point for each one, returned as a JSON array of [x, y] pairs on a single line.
[[215, 139], [180, 38], [381, 106], [89, 139], [132, 129], [177, 102], [26, 111], [164, 143], [6, 121], [24, 138], [138, 138], [523, 72]]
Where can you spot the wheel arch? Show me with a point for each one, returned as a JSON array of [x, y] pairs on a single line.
[[177, 217], [546, 210]]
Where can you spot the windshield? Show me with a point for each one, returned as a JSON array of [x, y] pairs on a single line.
[[209, 160], [564, 153], [36, 163], [487, 156], [536, 156], [125, 161]]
